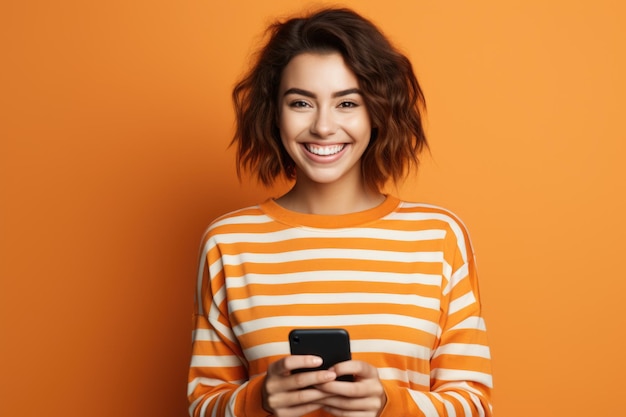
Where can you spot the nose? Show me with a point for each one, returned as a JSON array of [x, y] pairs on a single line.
[[324, 123]]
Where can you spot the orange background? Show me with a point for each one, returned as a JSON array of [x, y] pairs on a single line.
[[115, 119]]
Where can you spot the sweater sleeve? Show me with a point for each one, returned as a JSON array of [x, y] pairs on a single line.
[[460, 376], [218, 384]]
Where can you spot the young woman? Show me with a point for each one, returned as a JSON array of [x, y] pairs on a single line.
[[333, 106]]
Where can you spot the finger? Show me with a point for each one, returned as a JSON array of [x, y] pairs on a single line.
[[287, 364], [298, 411], [351, 404], [360, 389], [294, 399], [285, 383], [302, 362], [309, 379], [366, 383], [360, 369]]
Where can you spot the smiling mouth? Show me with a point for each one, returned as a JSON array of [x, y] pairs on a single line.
[[324, 150]]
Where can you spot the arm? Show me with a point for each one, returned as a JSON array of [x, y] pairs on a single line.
[[218, 377], [461, 379]]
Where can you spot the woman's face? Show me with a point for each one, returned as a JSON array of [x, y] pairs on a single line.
[[323, 121]]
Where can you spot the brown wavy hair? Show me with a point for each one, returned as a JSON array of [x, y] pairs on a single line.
[[391, 92]]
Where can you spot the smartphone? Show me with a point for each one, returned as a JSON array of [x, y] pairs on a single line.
[[332, 345]]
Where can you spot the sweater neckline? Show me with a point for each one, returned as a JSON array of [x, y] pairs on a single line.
[[322, 221]]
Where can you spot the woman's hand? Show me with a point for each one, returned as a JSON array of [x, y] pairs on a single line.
[[287, 395], [365, 397]]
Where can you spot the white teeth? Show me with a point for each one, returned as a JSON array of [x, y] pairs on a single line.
[[324, 150]]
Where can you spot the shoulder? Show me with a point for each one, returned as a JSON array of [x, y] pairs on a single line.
[[423, 211], [236, 221], [244, 215], [434, 216]]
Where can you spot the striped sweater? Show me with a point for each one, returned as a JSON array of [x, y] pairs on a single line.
[[401, 278]]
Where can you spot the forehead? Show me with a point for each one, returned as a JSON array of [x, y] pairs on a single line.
[[318, 73]]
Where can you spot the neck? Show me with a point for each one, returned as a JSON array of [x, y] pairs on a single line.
[[329, 199]]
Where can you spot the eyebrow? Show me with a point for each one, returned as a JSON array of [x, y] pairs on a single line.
[[306, 93]]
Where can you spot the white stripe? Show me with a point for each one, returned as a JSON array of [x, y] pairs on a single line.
[[447, 273], [219, 327], [208, 245], [446, 403], [199, 277], [230, 408], [312, 233], [462, 349], [206, 402], [462, 302], [474, 394], [411, 350], [467, 411], [474, 322], [337, 321], [194, 404], [266, 350], [424, 403], [214, 361], [390, 347], [218, 297], [459, 275], [412, 377], [316, 254], [459, 385], [333, 276], [333, 298], [205, 335], [209, 382], [216, 267], [216, 406], [244, 219], [462, 375], [477, 404]]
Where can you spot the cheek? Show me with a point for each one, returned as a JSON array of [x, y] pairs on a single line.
[[360, 128], [290, 127], [360, 117]]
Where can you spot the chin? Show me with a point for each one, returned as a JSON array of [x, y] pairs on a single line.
[[323, 176]]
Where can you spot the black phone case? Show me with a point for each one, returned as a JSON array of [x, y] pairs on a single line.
[[332, 345]]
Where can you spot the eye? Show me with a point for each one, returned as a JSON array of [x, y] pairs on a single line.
[[299, 104], [348, 104]]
